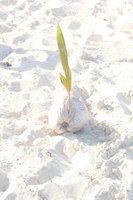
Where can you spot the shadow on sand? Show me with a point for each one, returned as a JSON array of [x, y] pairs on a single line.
[[27, 62]]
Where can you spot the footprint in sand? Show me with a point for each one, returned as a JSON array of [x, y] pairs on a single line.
[[123, 98], [4, 182], [95, 38], [130, 192], [15, 86], [125, 101], [3, 16], [93, 41], [4, 51], [63, 11], [11, 196], [106, 107], [56, 167], [8, 3], [20, 39], [44, 174], [74, 26], [4, 29]]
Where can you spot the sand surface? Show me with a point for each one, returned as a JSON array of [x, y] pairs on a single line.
[[97, 162]]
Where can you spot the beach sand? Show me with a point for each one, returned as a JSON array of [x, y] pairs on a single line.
[[95, 163]]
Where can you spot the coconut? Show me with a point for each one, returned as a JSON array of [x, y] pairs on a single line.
[[61, 120]]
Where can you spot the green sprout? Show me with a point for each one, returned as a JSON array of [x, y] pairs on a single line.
[[65, 80]]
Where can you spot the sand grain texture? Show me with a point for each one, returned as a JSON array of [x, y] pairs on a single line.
[[97, 162]]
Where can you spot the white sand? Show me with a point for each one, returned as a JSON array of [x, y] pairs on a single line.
[[97, 162]]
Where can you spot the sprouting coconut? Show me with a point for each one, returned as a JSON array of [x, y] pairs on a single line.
[[67, 114], [66, 81]]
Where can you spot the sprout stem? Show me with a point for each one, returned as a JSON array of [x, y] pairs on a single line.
[[69, 101]]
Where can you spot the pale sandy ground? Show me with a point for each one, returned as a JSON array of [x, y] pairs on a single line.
[[97, 162]]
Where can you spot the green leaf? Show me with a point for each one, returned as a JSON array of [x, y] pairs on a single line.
[[63, 81], [69, 78], [62, 49]]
